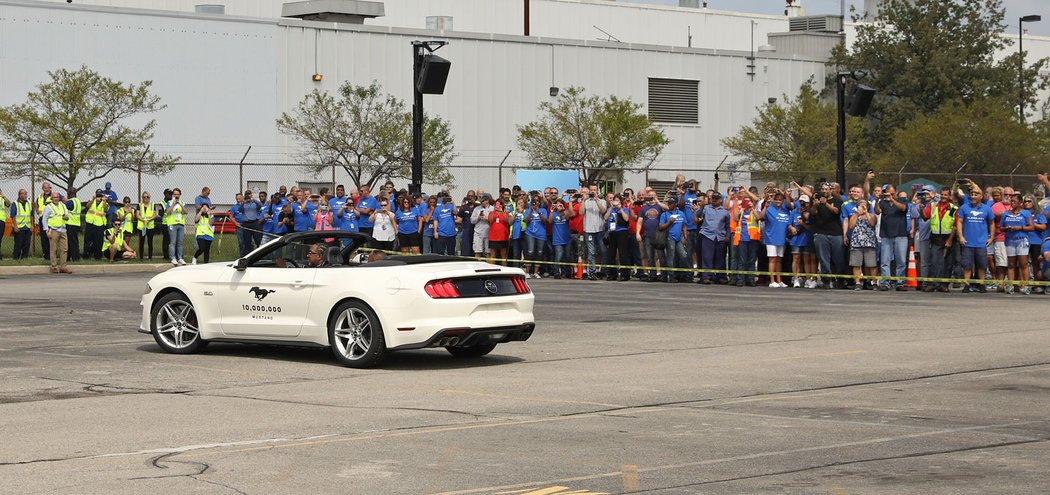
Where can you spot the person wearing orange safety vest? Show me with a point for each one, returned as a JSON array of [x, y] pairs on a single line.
[[746, 238]]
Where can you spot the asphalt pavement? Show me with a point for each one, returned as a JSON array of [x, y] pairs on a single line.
[[624, 387]]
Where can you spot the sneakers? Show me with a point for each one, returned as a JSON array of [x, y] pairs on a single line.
[[858, 287], [181, 262], [193, 261], [174, 262], [1026, 291], [783, 285], [797, 285], [774, 285], [1010, 289]]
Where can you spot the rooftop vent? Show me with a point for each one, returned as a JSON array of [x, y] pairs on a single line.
[[345, 11], [820, 23], [210, 8]]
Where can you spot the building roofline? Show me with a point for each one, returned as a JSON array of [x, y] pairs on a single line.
[[38, 4], [511, 38]]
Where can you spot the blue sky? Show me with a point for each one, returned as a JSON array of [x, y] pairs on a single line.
[[1014, 9]]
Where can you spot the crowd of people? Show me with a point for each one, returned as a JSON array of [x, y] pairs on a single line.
[[800, 236]]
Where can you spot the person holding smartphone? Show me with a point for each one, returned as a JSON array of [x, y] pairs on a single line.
[[384, 226], [176, 210]]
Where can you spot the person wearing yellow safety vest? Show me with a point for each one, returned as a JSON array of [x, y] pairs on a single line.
[[175, 212], [4, 205], [205, 234], [115, 244], [22, 214], [54, 222], [75, 208], [146, 224], [95, 225], [942, 238], [165, 222], [126, 214], [38, 207]]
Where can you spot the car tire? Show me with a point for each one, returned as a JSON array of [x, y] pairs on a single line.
[[356, 335], [174, 325], [471, 351]]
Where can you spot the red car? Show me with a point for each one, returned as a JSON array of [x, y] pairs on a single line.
[[222, 223]]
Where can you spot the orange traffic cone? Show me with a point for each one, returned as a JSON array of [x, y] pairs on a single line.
[[579, 268], [912, 272]]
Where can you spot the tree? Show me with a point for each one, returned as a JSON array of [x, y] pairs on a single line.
[[368, 134], [73, 130], [789, 141], [986, 135], [599, 137], [921, 54]]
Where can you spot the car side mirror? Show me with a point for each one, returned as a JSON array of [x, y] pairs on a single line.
[[241, 264]]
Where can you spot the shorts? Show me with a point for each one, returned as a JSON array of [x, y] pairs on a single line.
[[497, 245], [409, 240], [999, 251], [481, 245], [774, 251], [862, 257], [802, 249], [973, 256], [1017, 248]]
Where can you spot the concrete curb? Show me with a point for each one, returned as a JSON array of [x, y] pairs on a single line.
[[85, 269]]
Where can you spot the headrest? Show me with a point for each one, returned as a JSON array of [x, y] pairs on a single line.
[[335, 256]]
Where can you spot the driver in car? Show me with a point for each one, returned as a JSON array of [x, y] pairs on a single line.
[[317, 257]]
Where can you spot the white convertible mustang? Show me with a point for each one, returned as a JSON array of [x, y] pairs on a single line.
[[303, 289]]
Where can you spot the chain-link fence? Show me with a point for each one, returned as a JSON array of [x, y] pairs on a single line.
[[225, 179]]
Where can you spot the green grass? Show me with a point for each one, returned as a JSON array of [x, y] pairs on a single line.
[[223, 249]]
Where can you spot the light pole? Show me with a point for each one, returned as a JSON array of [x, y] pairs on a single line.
[[1020, 49], [428, 77]]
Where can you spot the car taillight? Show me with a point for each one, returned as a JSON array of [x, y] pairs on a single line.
[[520, 285], [441, 289]]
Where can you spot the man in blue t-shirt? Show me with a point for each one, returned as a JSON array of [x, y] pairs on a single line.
[[561, 238], [975, 225], [365, 206], [445, 235], [646, 227], [336, 204], [673, 222], [777, 218], [714, 230]]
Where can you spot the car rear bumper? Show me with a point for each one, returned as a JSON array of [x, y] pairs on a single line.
[[466, 336]]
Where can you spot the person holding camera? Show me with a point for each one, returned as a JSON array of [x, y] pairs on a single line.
[[445, 225], [746, 239], [647, 231], [714, 229], [673, 222], [803, 256], [204, 234], [536, 219], [324, 218], [479, 218], [940, 217], [116, 246], [893, 230], [777, 218], [617, 218], [594, 208], [175, 210], [828, 233], [862, 245], [384, 226]]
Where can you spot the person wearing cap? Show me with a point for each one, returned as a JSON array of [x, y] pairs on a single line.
[[923, 198], [54, 222], [113, 200], [95, 224], [940, 243], [75, 209], [803, 256]]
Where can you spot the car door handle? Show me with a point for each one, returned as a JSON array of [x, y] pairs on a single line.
[[298, 283]]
